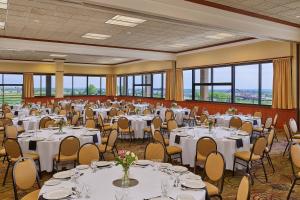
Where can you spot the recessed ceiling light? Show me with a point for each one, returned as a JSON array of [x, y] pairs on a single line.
[[298, 16], [96, 36], [58, 55], [125, 21], [225, 34], [2, 25], [214, 37], [178, 45], [3, 4], [219, 36], [118, 59]]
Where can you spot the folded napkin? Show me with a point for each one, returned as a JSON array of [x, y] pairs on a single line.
[[158, 112], [94, 113], [206, 194], [148, 122], [41, 198], [20, 123], [255, 122], [186, 112], [177, 139], [32, 145], [95, 138], [16, 113], [47, 111], [239, 143]]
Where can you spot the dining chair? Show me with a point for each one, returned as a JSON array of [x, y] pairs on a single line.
[[247, 127], [294, 128], [120, 113], [14, 152], [256, 155], [33, 111], [124, 128], [9, 115], [68, 149], [295, 162], [89, 113], [50, 123], [266, 127], [235, 122], [112, 113], [155, 152], [25, 181], [244, 190], [147, 112], [270, 140], [171, 125], [110, 146], [90, 123], [11, 131], [190, 118], [274, 126], [43, 122], [74, 120], [201, 119], [172, 151], [88, 153], [214, 170], [257, 114], [169, 114], [204, 147], [290, 140], [63, 112], [105, 129]]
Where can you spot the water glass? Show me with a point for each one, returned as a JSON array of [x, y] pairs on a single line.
[[164, 187], [93, 166], [120, 194]]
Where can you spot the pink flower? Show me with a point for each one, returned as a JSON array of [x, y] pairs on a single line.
[[122, 153]]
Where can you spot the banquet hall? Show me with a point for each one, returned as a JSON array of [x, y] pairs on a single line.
[[149, 99]]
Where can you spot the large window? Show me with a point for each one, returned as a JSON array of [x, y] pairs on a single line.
[[78, 85], [11, 88], [245, 83], [44, 85], [142, 85]]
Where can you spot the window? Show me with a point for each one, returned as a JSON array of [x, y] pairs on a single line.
[[44, 85], [142, 85], [245, 83], [11, 88], [84, 85], [53, 85]]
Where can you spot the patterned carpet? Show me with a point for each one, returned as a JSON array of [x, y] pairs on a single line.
[[276, 188]]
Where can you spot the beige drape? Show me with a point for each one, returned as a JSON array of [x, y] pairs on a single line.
[[111, 81], [282, 84], [179, 85], [28, 86], [169, 85]]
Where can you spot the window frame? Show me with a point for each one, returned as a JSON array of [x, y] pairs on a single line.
[[2, 84], [47, 86]]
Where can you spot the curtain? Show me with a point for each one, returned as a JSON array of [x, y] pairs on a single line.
[[169, 85], [282, 84], [179, 85], [28, 85], [111, 81]]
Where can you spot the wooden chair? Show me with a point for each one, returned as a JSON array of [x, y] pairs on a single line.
[[244, 189], [155, 152], [25, 181], [214, 170], [235, 122], [147, 112], [74, 120], [68, 149], [257, 114], [247, 158], [112, 113], [171, 125], [14, 152], [247, 127], [88, 153], [124, 128], [266, 127], [105, 129], [110, 146], [204, 147], [43, 122], [201, 119], [170, 150], [294, 129], [169, 114], [89, 113], [11, 132], [63, 112], [50, 123], [295, 162], [90, 123]]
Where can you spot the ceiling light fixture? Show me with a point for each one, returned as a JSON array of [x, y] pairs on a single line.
[[3, 4], [125, 21], [58, 55], [219, 36], [96, 36], [178, 45]]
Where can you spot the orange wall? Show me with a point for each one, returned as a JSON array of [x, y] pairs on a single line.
[[284, 114]]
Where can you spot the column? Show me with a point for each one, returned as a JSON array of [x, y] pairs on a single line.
[[59, 79]]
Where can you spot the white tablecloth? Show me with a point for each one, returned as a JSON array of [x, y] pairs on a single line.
[[225, 146], [50, 146], [101, 187], [141, 107], [179, 114], [223, 120]]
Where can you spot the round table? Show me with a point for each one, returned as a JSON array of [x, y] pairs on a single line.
[[149, 186], [178, 112], [223, 120], [225, 145], [49, 147]]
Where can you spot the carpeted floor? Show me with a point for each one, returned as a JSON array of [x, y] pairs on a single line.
[[276, 188]]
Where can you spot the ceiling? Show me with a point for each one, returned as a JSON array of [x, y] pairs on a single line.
[[287, 10]]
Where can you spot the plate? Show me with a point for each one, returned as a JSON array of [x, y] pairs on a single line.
[[30, 131], [191, 176], [63, 174], [92, 129], [24, 135], [76, 127], [57, 194], [53, 128], [37, 139], [193, 184], [179, 169], [82, 167], [185, 196], [233, 137], [143, 162], [89, 134], [165, 165], [103, 163], [52, 182]]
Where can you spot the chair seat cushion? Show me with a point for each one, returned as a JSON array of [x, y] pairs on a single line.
[[107, 127], [211, 189], [104, 140], [173, 150], [126, 130], [102, 148], [147, 129], [164, 126], [201, 158], [32, 195], [245, 155], [66, 158]]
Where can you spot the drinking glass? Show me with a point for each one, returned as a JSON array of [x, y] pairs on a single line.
[[93, 166], [164, 187], [120, 194]]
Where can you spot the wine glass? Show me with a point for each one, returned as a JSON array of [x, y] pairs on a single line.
[[93, 166]]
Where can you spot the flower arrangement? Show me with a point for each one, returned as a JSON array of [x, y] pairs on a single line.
[[232, 110], [210, 124], [61, 123], [174, 105], [137, 110], [125, 159]]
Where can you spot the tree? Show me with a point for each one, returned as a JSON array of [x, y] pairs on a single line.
[[92, 89]]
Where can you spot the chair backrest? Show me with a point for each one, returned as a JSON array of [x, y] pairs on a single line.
[[120, 112], [257, 114], [11, 131], [123, 123], [295, 158], [9, 115], [171, 124], [235, 122], [247, 127], [100, 121], [155, 152], [275, 120], [43, 121], [12, 148], [169, 114], [63, 112], [157, 123], [22, 180], [215, 167], [202, 118], [158, 137], [49, 123], [287, 132], [69, 146], [259, 146], [87, 153], [112, 138], [268, 122], [270, 139], [90, 123], [205, 146], [33, 111], [147, 112], [89, 113], [244, 189], [75, 119], [293, 125], [113, 112]]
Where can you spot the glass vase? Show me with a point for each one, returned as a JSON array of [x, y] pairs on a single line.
[[125, 178]]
